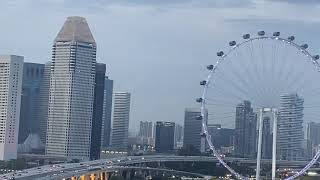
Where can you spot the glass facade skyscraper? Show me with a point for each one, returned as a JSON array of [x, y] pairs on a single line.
[[120, 125], [30, 100], [71, 91], [164, 136], [97, 111], [193, 129], [107, 113], [245, 131]]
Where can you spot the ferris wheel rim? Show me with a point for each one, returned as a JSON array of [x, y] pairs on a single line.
[[276, 38]]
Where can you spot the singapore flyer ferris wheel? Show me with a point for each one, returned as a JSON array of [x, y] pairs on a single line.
[[265, 85]]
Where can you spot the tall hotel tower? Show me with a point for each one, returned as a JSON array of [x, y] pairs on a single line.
[[71, 91], [120, 125], [11, 70], [290, 127]]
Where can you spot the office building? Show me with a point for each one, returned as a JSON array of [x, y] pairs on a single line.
[[30, 100], [120, 125], [313, 138], [145, 133], [11, 74], [145, 129], [107, 113], [245, 131], [221, 137], [97, 111], [164, 136], [71, 93], [193, 129], [44, 102], [178, 135], [290, 127]]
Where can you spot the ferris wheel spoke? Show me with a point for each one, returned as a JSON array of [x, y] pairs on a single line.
[[220, 117], [227, 93], [282, 66], [253, 78], [298, 78], [222, 113], [263, 63], [275, 90], [237, 75], [258, 71], [235, 86]]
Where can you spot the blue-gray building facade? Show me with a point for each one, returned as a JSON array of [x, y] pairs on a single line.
[[107, 113], [164, 136], [33, 74], [96, 130]]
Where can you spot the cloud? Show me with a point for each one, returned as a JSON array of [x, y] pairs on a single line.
[[299, 2], [185, 3], [148, 3]]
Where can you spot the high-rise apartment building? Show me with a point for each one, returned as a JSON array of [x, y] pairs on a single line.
[[164, 136], [145, 129], [107, 113], [245, 131], [30, 100], [44, 102], [97, 111], [120, 125], [178, 133], [11, 74], [290, 127], [71, 91], [313, 138], [193, 129]]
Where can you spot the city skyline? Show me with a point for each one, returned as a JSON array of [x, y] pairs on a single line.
[[201, 37], [103, 89]]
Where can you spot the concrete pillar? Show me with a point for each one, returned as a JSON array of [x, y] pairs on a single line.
[[108, 175], [128, 174], [93, 177], [102, 175]]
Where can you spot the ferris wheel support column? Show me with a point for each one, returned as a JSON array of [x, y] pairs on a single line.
[[274, 143], [259, 144]]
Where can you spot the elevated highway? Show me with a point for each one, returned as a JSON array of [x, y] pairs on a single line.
[[114, 164]]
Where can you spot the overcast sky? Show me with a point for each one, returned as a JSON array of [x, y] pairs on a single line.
[[155, 49]]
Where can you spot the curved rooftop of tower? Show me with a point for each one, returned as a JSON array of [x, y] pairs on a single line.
[[75, 29]]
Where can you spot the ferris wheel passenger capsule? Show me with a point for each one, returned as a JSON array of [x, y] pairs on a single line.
[[291, 38], [199, 100], [202, 83], [261, 33], [220, 53], [246, 36], [210, 67], [199, 117], [232, 43], [203, 134], [276, 34], [316, 57], [304, 46]]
